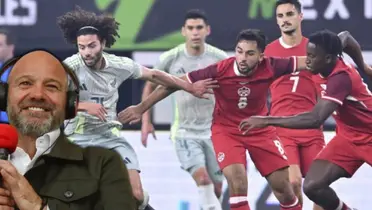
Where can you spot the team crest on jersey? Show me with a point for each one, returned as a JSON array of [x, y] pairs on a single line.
[[220, 157], [243, 93], [324, 88]]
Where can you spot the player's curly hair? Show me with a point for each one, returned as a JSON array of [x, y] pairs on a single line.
[[327, 40], [71, 23]]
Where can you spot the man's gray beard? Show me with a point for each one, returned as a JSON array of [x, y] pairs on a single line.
[[26, 128]]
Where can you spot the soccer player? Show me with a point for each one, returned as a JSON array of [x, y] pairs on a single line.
[[349, 100], [293, 94], [244, 81], [100, 76], [193, 116]]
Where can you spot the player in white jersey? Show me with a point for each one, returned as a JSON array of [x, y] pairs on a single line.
[[100, 76], [192, 116]]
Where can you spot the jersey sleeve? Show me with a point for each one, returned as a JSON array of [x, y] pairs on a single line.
[[133, 67], [282, 66], [205, 73], [164, 62], [338, 88], [72, 63]]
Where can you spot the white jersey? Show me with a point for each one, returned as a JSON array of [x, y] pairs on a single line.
[[100, 86], [192, 116]]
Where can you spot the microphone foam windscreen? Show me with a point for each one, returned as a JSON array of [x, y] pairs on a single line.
[[8, 137]]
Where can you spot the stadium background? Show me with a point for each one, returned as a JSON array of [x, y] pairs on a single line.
[[150, 27]]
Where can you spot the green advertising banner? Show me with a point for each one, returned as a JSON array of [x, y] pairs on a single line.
[[156, 24]]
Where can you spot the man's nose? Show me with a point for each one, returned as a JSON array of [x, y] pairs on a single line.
[[37, 91]]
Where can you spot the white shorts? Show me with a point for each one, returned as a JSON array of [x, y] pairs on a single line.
[[110, 141], [195, 153]]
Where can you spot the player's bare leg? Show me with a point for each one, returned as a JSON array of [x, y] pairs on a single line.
[[218, 190], [207, 197], [295, 178], [236, 175], [317, 183], [138, 193], [282, 189]]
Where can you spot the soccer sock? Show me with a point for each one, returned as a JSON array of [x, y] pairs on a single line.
[[207, 198], [145, 202], [293, 205], [239, 202], [342, 206]]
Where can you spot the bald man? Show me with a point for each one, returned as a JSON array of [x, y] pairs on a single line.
[[47, 171]]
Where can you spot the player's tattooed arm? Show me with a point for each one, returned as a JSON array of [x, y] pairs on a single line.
[[353, 49]]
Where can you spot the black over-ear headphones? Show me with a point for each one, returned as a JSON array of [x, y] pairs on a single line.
[[72, 95]]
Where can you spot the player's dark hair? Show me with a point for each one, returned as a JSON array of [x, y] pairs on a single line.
[[295, 3], [196, 14], [327, 40], [104, 26], [10, 38], [253, 35]]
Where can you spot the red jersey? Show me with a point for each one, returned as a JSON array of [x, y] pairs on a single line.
[[295, 93], [240, 96], [354, 115]]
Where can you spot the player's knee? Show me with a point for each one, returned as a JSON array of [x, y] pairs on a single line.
[[201, 176], [296, 184], [311, 188], [238, 186]]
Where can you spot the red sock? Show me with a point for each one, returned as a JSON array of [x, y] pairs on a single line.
[[239, 202], [293, 205], [345, 207]]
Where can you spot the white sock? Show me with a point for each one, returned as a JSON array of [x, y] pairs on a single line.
[[146, 199], [340, 205], [207, 198]]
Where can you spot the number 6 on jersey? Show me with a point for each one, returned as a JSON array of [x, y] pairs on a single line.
[[295, 79]]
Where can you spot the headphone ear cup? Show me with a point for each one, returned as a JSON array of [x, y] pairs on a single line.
[[3, 96], [71, 105]]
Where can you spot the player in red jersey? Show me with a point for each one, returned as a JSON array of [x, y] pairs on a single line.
[[244, 81], [293, 94], [349, 100]]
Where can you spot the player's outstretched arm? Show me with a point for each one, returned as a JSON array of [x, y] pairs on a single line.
[[133, 114], [308, 120], [165, 79], [202, 78], [338, 88], [148, 88], [353, 49]]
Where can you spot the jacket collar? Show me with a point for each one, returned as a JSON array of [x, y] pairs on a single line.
[[64, 149]]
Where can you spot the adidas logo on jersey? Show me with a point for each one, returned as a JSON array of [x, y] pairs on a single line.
[[113, 83], [83, 87], [181, 71]]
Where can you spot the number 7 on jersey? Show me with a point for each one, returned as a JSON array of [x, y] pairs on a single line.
[[295, 79]]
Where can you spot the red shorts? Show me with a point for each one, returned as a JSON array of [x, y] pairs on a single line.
[[265, 149], [302, 151], [346, 154]]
